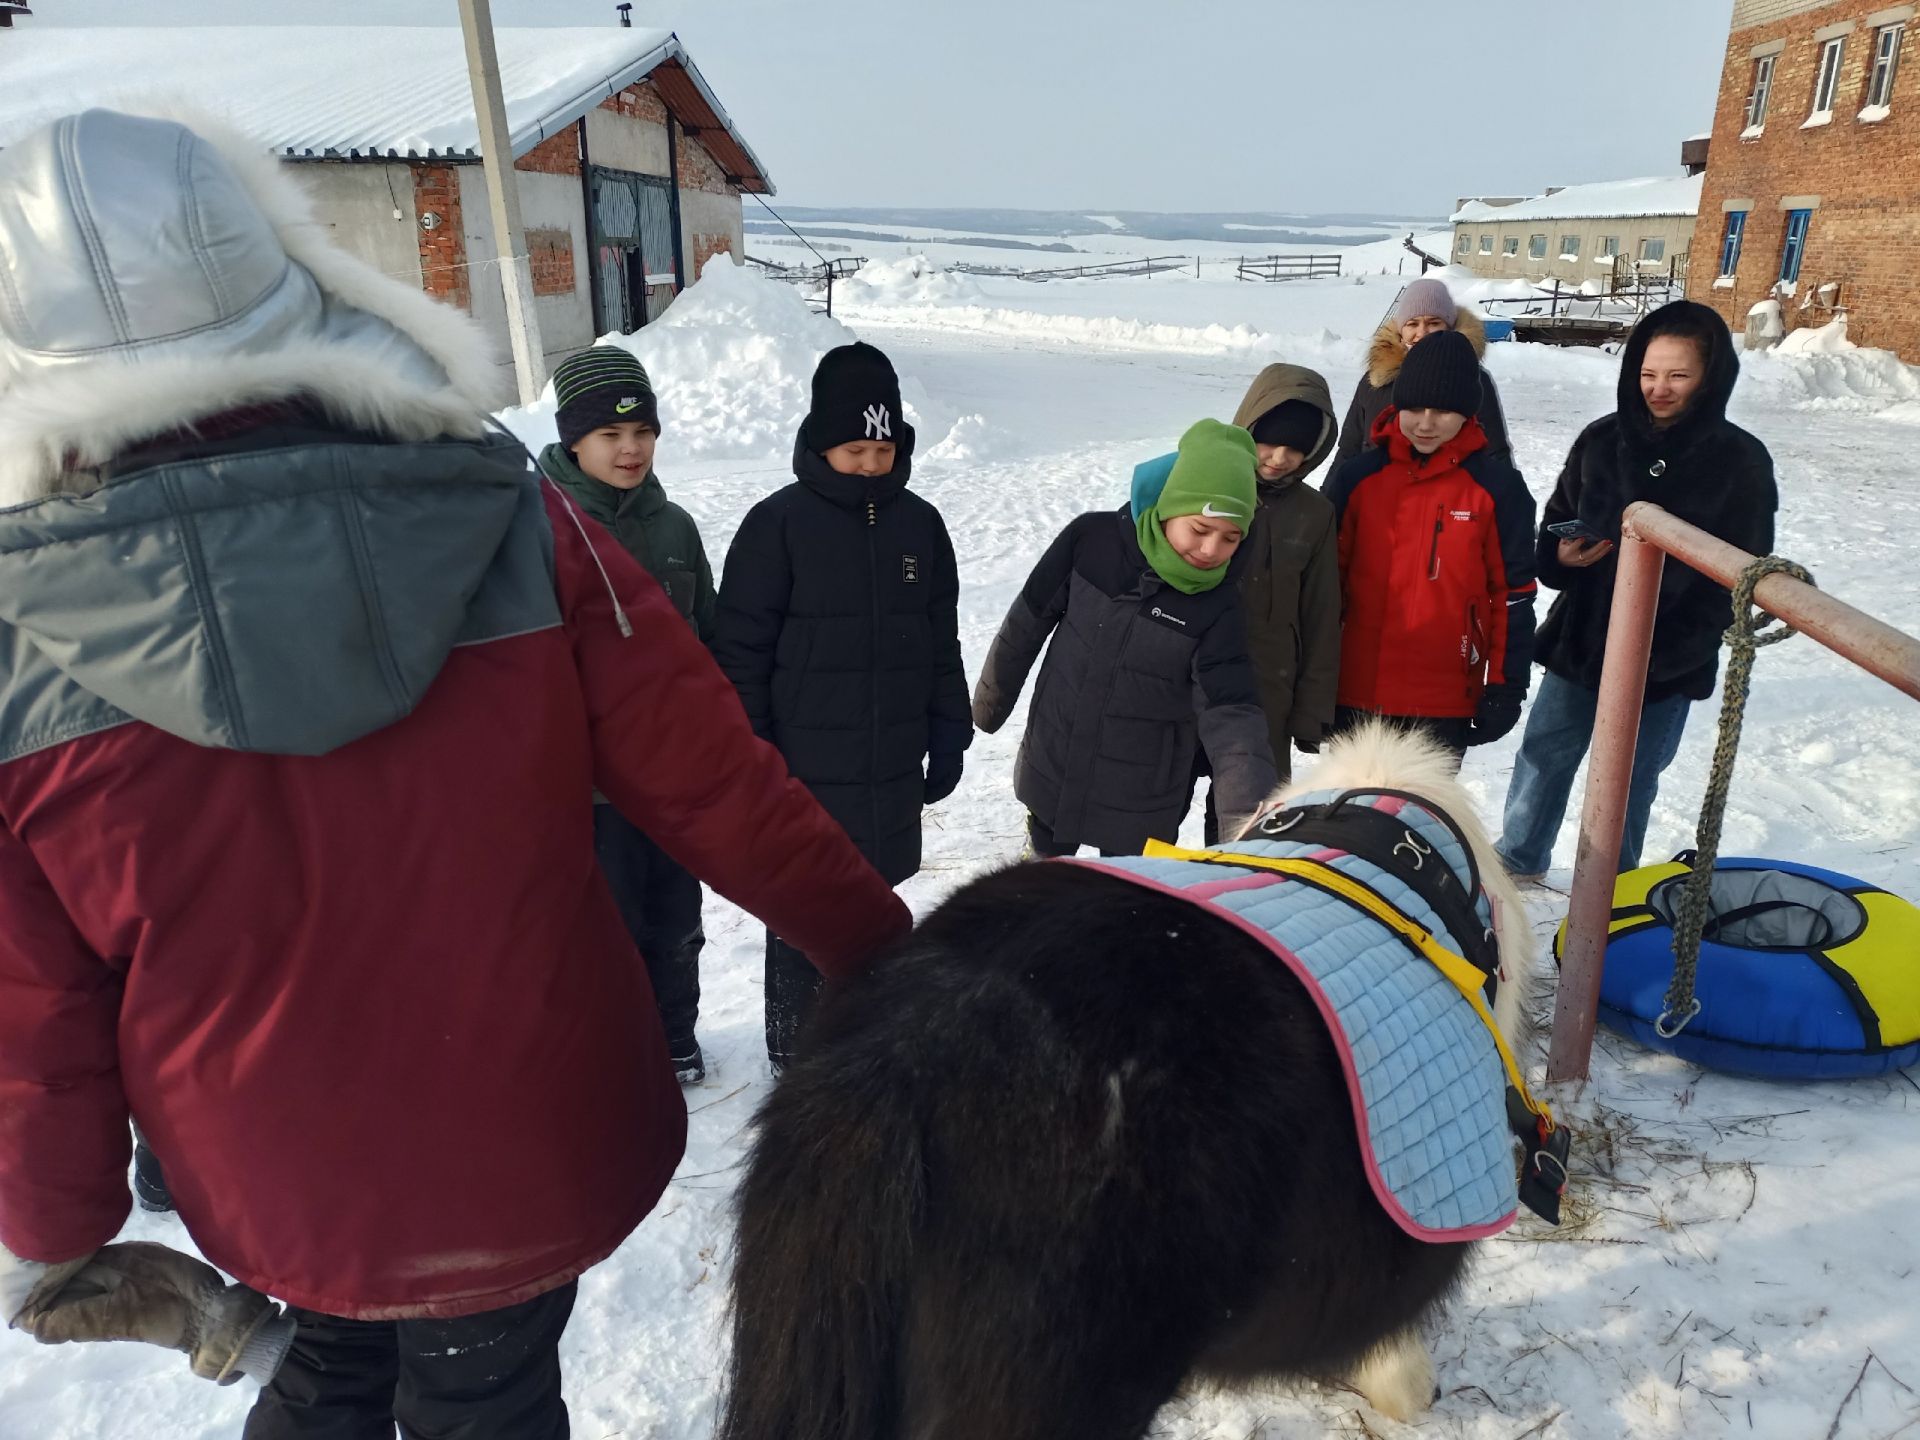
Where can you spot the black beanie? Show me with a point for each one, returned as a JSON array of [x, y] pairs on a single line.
[[601, 386], [856, 396], [1296, 424], [1441, 372]]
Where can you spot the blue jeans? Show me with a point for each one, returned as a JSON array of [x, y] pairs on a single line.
[[1559, 729]]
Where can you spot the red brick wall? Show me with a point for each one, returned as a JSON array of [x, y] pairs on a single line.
[[698, 169], [638, 102], [550, 252], [556, 155], [443, 249], [1865, 232], [705, 247]]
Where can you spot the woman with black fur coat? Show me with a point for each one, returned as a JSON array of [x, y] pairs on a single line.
[[1669, 442]]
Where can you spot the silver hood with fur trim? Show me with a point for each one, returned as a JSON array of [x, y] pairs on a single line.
[[153, 275]]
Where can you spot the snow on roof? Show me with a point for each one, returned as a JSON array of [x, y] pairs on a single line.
[[344, 91], [1608, 200]]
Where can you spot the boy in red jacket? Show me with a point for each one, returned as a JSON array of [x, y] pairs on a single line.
[[1436, 561]]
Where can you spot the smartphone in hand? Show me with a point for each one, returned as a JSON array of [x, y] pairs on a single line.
[[1574, 530]]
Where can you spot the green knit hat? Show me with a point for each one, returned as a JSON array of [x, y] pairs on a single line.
[[1214, 476]]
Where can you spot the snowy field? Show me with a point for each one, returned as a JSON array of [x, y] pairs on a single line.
[[1740, 1258]]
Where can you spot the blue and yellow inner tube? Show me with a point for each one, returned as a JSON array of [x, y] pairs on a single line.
[[1804, 973]]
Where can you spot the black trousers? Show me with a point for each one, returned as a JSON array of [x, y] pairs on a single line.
[[1041, 841], [1450, 731], [792, 987], [492, 1376], [660, 901]]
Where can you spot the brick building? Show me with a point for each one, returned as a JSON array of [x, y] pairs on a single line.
[[1812, 187], [629, 171]]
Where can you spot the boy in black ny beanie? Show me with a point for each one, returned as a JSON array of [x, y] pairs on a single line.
[[609, 423], [838, 623], [1436, 560]]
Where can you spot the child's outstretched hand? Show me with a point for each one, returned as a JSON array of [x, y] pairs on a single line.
[[943, 775]]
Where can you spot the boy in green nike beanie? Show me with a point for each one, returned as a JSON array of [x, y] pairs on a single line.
[[1149, 667]]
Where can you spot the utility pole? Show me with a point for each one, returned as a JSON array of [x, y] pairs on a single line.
[[503, 198]]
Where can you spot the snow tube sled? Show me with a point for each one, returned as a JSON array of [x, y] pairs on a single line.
[[1804, 973]]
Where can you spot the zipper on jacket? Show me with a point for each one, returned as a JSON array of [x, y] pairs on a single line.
[[1433, 552]]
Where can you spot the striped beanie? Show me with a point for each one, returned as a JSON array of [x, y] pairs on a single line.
[[602, 386]]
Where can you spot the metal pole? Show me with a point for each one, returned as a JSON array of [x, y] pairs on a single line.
[[1603, 816], [503, 198], [1873, 645]]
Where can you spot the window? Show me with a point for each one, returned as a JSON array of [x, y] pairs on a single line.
[[1653, 250], [1536, 247], [1762, 88], [1730, 242], [1510, 245], [1886, 59], [1795, 247], [1462, 243], [1569, 247], [1608, 247], [1486, 244], [1826, 81]]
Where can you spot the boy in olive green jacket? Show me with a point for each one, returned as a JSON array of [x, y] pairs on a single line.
[[609, 423]]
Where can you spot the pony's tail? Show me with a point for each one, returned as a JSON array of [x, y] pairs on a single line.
[[827, 1218]]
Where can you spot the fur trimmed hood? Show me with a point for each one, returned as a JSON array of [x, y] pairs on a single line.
[[163, 272], [1386, 352]]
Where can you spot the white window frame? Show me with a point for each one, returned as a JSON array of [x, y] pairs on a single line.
[[1607, 247], [1537, 246], [1509, 247], [1760, 95], [1826, 79], [1884, 65], [1464, 244], [1658, 242], [1486, 244]]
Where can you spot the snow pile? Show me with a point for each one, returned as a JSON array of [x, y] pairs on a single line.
[[910, 280], [731, 360], [1819, 368]]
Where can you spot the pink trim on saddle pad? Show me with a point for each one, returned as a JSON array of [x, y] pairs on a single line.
[[1383, 1192]]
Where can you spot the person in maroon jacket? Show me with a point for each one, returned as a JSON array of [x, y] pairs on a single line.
[[307, 681], [1436, 561]]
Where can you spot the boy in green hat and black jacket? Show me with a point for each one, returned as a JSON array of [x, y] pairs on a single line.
[[1149, 663], [609, 423]]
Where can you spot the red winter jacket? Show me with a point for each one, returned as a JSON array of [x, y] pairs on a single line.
[[373, 1007], [1436, 574]]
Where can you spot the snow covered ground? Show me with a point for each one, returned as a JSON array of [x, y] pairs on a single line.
[[1740, 1258]]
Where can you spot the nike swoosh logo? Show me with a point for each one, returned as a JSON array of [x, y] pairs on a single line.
[[1208, 512], [625, 405]]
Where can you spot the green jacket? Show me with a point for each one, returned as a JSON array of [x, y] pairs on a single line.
[[654, 530], [1292, 589]]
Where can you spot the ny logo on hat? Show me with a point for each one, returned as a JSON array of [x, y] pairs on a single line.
[[879, 423]]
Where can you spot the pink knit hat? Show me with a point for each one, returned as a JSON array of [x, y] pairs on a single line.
[[1423, 300]]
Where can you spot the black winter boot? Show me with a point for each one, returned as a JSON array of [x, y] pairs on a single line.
[[149, 1184]]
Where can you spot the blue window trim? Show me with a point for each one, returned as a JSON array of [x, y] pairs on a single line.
[[1795, 249], [1730, 242]]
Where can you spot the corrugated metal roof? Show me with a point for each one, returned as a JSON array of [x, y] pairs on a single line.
[[357, 92], [1607, 200]]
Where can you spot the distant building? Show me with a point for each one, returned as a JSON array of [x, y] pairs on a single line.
[[1579, 233], [1813, 187], [629, 171]]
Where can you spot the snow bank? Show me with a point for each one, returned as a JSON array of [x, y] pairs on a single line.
[[910, 280], [732, 361], [1819, 368]]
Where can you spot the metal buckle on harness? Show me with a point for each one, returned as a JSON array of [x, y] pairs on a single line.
[[1414, 848]]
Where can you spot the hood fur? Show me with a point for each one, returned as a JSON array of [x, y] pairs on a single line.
[[58, 421], [1386, 352]]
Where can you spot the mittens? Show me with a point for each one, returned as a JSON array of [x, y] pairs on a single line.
[[943, 775], [1496, 714]]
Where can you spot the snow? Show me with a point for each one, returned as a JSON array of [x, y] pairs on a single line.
[[336, 89], [1112, 222], [1738, 1262], [1604, 200]]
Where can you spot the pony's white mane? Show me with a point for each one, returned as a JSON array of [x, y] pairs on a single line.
[[1380, 755]]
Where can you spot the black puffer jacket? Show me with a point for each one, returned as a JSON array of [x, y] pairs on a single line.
[[1138, 675], [837, 623], [1704, 469]]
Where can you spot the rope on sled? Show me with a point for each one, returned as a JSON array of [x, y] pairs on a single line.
[[1744, 637]]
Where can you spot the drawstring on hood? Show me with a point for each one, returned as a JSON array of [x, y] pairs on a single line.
[[619, 615]]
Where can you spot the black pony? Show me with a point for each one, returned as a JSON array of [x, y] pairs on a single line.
[[1071, 1144]]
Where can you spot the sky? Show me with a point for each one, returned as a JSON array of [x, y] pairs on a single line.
[[1386, 106]]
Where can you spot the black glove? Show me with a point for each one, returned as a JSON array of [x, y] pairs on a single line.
[[943, 775], [1496, 714]]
